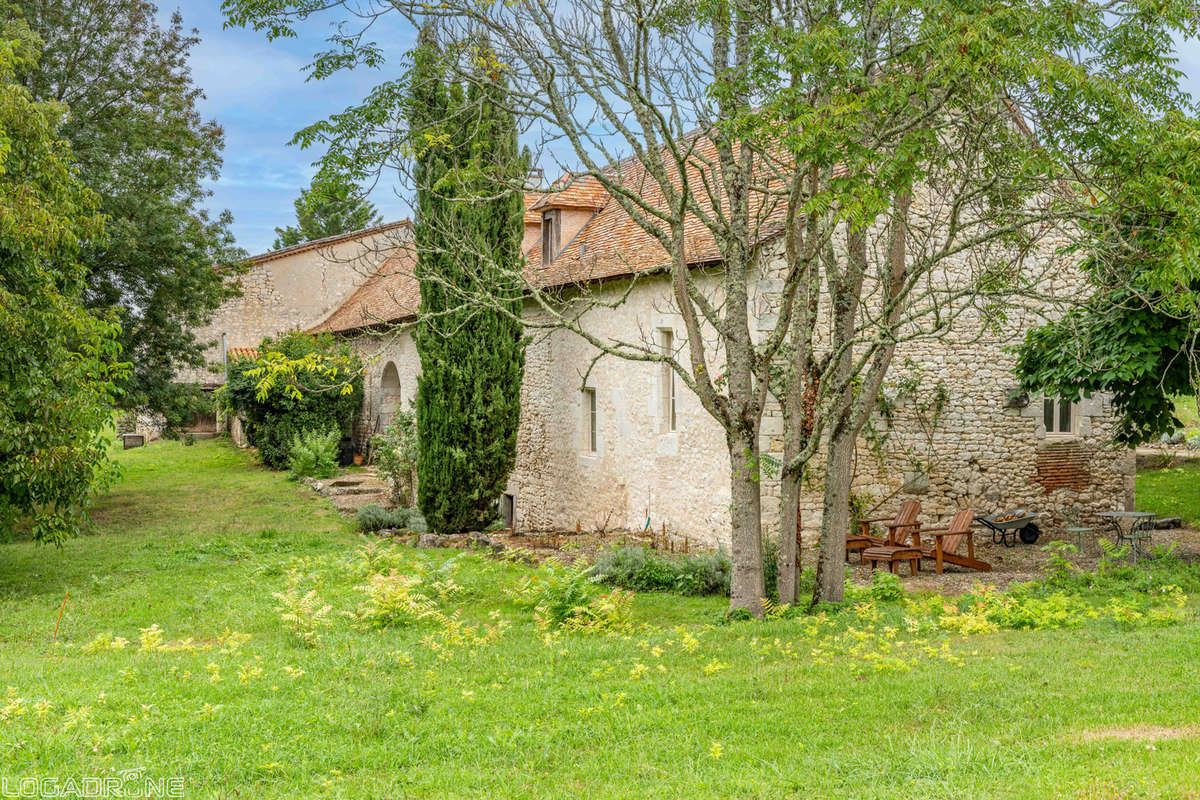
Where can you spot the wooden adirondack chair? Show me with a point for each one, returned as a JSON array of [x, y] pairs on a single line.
[[898, 528], [948, 542]]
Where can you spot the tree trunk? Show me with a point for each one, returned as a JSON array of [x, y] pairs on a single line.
[[835, 521], [789, 527], [745, 510]]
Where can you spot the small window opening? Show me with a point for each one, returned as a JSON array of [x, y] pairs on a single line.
[[667, 378], [589, 420], [1058, 417]]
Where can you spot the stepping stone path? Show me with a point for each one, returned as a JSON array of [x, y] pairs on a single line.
[[353, 490]]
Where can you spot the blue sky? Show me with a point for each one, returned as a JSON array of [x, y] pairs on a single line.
[[257, 91]]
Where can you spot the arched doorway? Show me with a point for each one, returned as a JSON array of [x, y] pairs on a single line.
[[389, 395]]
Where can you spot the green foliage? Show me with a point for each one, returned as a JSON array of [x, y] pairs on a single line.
[[402, 598], [565, 598], [140, 143], [886, 587], [150, 559], [470, 206], [770, 562], [396, 454], [298, 383], [1136, 336], [314, 454], [59, 364], [987, 610], [1059, 568], [330, 206], [642, 569], [1172, 491], [302, 614], [374, 517]]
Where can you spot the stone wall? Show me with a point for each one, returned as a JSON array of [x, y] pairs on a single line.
[[378, 351], [982, 451], [292, 289], [988, 449], [640, 469]]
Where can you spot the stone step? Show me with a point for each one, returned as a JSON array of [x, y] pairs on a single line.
[[351, 503], [336, 491]]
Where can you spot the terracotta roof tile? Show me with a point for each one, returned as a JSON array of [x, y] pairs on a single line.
[[390, 294], [236, 353], [532, 217], [568, 192], [611, 244]]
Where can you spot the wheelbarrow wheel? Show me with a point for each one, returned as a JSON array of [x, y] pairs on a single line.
[[1030, 533]]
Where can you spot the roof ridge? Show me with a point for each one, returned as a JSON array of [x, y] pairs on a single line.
[[327, 240]]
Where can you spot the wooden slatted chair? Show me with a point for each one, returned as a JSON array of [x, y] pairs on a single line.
[[947, 542], [897, 526], [907, 549]]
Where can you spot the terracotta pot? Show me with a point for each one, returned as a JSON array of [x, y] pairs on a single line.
[[358, 459]]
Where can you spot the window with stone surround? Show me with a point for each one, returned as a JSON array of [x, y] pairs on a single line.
[[666, 343], [1059, 417], [590, 438]]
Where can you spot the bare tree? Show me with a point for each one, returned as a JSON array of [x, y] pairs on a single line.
[[896, 166]]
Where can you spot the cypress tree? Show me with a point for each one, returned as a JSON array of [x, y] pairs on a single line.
[[468, 231]]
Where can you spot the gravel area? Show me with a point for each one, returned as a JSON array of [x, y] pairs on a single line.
[[1020, 563], [1023, 562]]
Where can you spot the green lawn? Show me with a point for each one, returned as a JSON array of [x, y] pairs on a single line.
[[1171, 492], [1185, 409], [197, 539]]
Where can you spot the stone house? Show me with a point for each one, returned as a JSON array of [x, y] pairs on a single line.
[[629, 447]]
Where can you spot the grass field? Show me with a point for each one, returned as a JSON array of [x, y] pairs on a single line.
[[478, 701], [1185, 409], [1171, 492]]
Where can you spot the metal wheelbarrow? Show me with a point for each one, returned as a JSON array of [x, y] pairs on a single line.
[[1006, 526]]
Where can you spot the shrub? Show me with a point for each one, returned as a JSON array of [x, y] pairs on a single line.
[[704, 574], [565, 598], [399, 599], [302, 615], [395, 453], [641, 569], [299, 382], [394, 600], [375, 517], [313, 454], [885, 587]]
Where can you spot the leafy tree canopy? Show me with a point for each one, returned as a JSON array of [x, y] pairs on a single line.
[[58, 362], [1138, 333], [331, 205], [143, 147], [298, 383]]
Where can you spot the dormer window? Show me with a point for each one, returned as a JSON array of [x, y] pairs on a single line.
[[550, 235]]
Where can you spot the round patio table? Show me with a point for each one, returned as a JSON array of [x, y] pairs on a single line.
[[1140, 523]]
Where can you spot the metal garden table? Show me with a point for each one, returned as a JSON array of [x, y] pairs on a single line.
[[1140, 524]]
